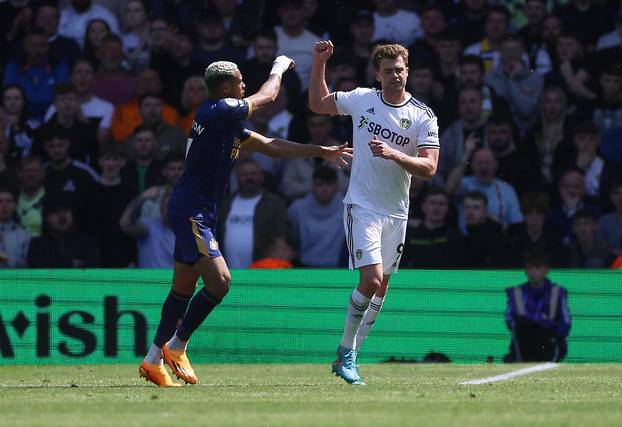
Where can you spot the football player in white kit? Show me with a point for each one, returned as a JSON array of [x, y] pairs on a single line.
[[395, 137]]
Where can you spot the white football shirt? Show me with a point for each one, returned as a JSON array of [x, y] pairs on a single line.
[[378, 184]]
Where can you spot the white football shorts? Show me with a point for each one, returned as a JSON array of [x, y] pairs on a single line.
[[373, 238]]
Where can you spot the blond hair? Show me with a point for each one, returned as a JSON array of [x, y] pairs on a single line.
[[388, 51]]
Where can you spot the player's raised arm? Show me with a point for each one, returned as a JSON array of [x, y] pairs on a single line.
[[339, 155], [320, 100], [270, 89]]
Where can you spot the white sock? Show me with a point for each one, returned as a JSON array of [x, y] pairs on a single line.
[[154, 355], [356, 310], [176, 344], [368, 321]]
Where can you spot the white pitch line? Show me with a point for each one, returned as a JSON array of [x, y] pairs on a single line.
[[512, 374]]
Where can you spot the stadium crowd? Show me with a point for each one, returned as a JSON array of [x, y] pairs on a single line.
[[98, 97]]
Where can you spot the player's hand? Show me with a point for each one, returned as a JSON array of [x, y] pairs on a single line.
[[281, 64], [339, 155], [322, 50], [381, 149]]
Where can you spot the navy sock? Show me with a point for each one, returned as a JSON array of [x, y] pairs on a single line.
[[200, 307], [173, 310]]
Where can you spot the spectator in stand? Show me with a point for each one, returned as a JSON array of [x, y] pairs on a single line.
[[239, 26], [472, 73], [175, 64], [421, 83], [501, 199], [531, 32], [75, 18], [470, 20], [257, 68], [60, 245], [447, 49], [551, 30], [513, 80], [514, 165], [36, 74], [69, 119], [583, 155], [485, 244], [14, 239], [62, 49], [96, 31], [470, 125], [112, 82], [434, 243], [532, 234], [248, 214], [496, 28], [273, 252], [590, 16], [298, 174], [154, 237], [361, 33], [172, 169], [537, 315], [433, 23], [549, 132], [571, 195], [144, 171], [610, 225], [588, 250], [105, 207], [31, 174], [136, 37], [212, 42], [316, 220], [394, 24], [192, 96], [8, 166], [171, 138], [127, 116], [294, 40], [15, 18], [93, 108], [608, 107], [19, 128], [573, 73], [68, 178]]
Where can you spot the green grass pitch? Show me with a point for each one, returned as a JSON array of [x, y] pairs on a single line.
[[307, 395]]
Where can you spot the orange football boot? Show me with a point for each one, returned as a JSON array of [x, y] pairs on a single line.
[[157, 374], [179, 363]]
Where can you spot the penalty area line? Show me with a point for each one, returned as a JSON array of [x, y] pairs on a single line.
[[512, 374]]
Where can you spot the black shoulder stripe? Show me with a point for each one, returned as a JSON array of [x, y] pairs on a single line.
[[423, 107]]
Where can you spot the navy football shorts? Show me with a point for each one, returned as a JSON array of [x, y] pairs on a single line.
[[194, 236]]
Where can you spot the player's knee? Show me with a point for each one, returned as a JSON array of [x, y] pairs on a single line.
[[223, 281], [371, 284]]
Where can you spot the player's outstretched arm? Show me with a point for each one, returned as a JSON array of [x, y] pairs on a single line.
[[339, 155], [424, 166], [320, 100], [270, 89]]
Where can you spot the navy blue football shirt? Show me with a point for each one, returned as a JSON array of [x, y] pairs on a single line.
[[211, 150]]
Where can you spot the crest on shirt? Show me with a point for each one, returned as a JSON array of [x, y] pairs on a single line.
[[405, 124], [359, 254], [231, 102]]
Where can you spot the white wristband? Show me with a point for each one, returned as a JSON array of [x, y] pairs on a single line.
[[280, 65]]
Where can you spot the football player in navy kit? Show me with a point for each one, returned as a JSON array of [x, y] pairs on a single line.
[[213, 145]]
